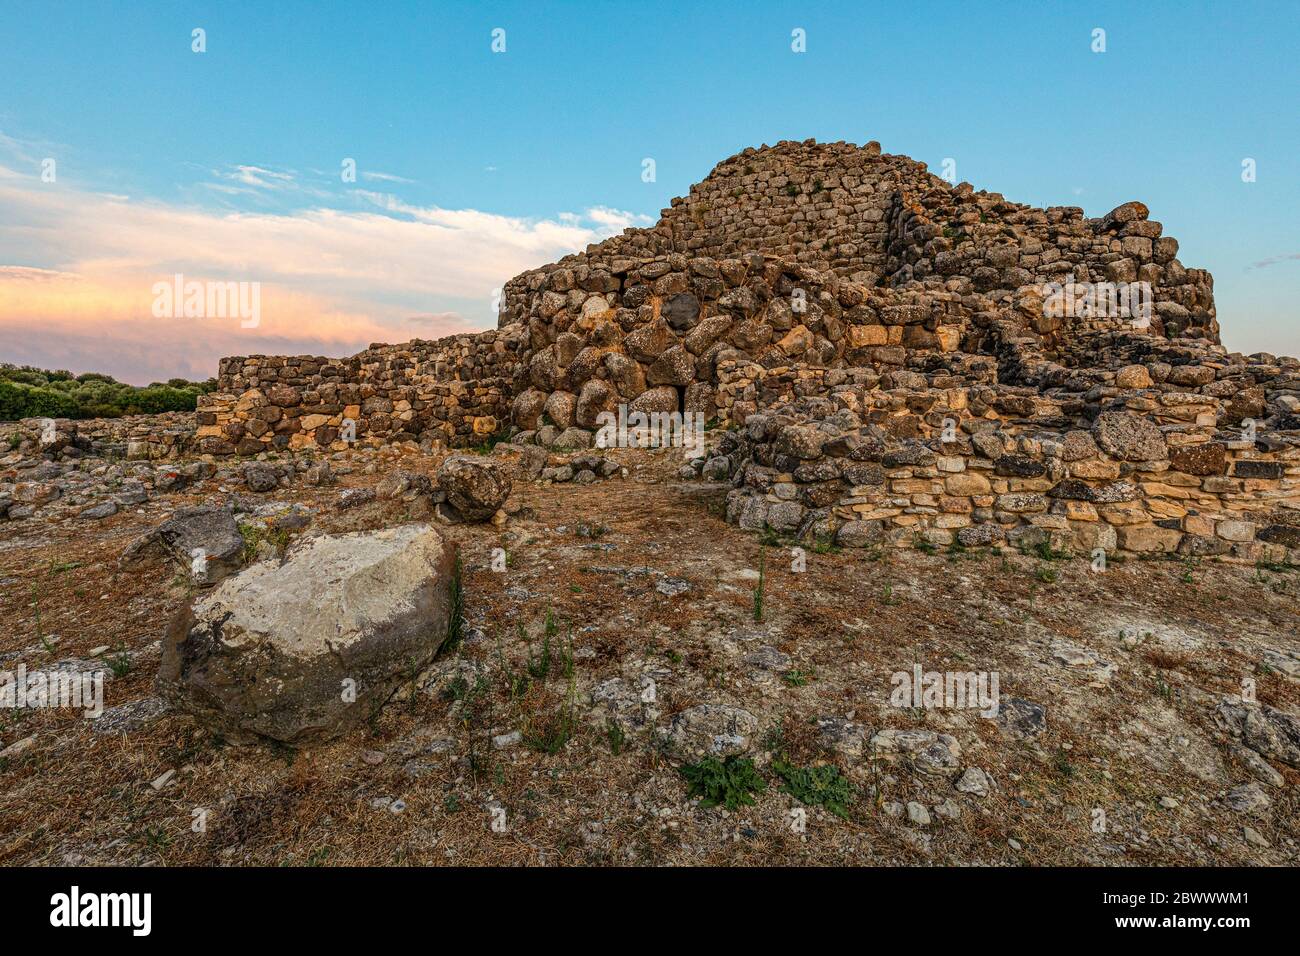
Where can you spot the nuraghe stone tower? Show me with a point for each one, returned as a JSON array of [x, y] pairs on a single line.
[[892, 357]]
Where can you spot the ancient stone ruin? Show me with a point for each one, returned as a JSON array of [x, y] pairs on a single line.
[[920, 400], [883, 358]]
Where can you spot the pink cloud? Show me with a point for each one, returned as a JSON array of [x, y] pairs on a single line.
[[77, 271]]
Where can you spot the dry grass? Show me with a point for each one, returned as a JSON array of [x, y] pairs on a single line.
[[848, 623]]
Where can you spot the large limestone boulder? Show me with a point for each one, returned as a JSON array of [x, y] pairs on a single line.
[[560, 408], [661, 399], [596, 397], [301, 651], [475, 487]]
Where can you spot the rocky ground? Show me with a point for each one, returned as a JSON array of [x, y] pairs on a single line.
[[630, 633]]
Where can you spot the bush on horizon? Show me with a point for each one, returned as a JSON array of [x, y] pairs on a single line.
[[27, 392]]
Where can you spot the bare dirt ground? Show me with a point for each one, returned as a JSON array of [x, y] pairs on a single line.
[[651, 598]]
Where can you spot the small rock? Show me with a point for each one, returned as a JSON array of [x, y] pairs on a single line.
[[672, 586], [475, 487], [949, 809], [842, 735], [97, 512], [205, 541], [927, 751], [352, 497], [260, 477], [130, 717], [18, 746], [1258, 766], [1253, 836], [716, 469], [1022, 718], [1264, 729], [974, 781], [768, 658], [1074, 656], [1248, 798], [713, 729]]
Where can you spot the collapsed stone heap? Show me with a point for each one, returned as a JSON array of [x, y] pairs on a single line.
[[879, 339]]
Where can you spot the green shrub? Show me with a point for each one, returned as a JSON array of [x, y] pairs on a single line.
[[27, 392], [25, 401], [821, 786], [731, 783]]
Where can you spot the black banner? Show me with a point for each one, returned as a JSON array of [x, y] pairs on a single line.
[[338, 904]]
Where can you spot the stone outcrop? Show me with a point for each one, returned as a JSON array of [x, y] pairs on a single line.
[[300, 651]]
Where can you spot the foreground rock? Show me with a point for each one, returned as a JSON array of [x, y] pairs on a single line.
[[1269, 732], [300, 652], [204, 540], [475, 487]]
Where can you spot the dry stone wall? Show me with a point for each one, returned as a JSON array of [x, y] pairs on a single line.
[[453, 390], [841, 455], [658, 339]]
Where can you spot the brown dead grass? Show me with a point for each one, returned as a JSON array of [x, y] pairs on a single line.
[[850, 621]]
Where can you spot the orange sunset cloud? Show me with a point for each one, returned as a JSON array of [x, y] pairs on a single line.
[[81, 272]]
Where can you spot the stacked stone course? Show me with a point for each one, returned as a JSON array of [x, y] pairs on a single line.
[[838, 454], [451, 390]]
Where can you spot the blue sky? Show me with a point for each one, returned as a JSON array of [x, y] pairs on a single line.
[[486, 162]]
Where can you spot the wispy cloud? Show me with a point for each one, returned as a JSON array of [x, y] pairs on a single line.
[[27, 152], [441, 320], [77, 269], [385, 177], [1274, 260], [616, 219], [260, 178], [30, 274]]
